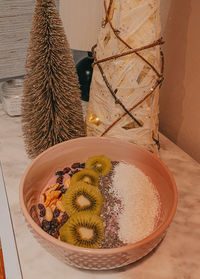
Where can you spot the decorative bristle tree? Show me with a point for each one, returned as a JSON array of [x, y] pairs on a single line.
[[51, 105]]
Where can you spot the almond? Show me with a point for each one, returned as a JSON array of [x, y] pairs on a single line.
[[49, 214], [51, 196], [52, 188], [53, 207]]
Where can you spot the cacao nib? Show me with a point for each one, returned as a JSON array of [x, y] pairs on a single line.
[[54, 223], [45, 225], [52, 231], [56, 213], [54, 234]]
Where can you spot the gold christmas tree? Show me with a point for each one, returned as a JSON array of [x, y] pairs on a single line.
[[51, 105]]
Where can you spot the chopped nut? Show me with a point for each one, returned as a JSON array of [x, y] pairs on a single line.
[[52, 188], [49, 214], [53, 202], [53, 207], [59, 206], [43, 197], [50, 197]]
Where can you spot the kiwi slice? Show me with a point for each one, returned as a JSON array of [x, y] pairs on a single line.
[[86, 176], [82, 197], [100, 164], [83, 229]]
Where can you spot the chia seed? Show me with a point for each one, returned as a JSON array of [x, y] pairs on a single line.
[[111, 207]]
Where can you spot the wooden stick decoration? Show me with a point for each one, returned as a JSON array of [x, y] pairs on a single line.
[[117, 101], [158, 82], [158, 42], [126, 75]]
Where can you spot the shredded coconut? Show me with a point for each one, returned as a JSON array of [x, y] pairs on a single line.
[[140, 202]]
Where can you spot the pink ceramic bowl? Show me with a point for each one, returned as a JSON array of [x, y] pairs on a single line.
[[45, 165]]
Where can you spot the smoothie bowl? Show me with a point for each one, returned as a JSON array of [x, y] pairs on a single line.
[[98, 203]]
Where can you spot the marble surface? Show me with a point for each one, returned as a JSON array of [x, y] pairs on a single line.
[[178, 255]]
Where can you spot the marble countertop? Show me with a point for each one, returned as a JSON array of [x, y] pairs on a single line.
[[177, 256]]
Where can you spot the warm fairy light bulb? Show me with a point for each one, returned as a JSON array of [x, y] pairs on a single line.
[[93, 118]]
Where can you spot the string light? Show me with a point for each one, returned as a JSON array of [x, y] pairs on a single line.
[[94, 119]]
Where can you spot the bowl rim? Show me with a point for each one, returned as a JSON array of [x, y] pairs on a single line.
[[102, 251]]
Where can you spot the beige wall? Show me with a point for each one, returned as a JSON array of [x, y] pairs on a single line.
[[180, 94], [82, 21]]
